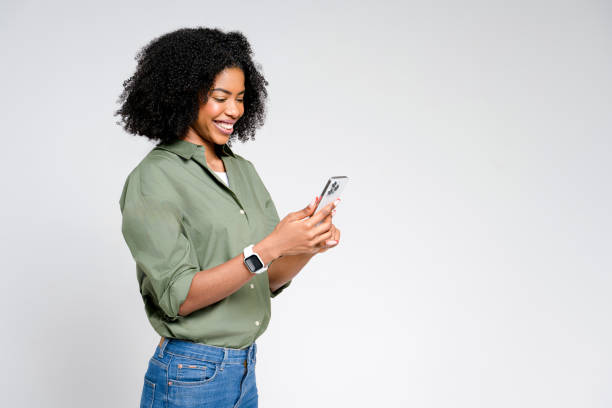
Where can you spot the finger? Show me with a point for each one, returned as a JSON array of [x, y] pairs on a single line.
[[321, 248], [335, 205], [329, 243], [320, 240], [335, 237], [306, 211], [321, 214], [323, 227]]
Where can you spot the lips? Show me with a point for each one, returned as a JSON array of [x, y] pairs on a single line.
[[224, 127]]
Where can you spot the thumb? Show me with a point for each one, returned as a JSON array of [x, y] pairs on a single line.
[[306, 211]]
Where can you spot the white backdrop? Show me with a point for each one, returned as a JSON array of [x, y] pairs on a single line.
[[475, 258]]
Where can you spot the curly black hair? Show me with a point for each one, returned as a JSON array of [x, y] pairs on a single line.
[[175, 72]]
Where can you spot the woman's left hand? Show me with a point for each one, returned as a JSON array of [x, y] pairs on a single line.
[[332, 242]]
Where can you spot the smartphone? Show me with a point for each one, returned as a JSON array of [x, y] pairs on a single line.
[[332, 190]]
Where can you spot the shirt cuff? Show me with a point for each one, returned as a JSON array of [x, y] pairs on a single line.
[[279, 290], [178, 293]]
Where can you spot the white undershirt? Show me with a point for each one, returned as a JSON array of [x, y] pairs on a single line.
[[223, 176]]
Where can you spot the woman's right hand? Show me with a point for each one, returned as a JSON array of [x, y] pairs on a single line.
[[298, 232]]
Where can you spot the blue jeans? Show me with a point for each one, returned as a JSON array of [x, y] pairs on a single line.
[[186, 374]]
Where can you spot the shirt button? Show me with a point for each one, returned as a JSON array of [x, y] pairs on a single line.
[[252, 286], [241, 211], [256, 322]]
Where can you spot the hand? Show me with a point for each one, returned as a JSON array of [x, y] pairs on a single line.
[[334, 239], [298, 232]]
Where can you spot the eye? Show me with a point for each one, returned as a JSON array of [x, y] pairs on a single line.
[[223, 100]]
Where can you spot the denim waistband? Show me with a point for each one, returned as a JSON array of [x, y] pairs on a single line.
[[201, 351]]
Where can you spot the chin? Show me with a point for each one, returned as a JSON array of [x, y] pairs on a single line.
[[218, 137], [221, 140]]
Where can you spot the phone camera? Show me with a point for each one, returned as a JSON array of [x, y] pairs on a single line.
[[333, 188]]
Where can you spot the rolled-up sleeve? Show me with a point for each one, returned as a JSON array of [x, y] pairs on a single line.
[[163, 253], [279, 290]]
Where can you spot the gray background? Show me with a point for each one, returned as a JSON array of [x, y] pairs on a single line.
[[474, 264]]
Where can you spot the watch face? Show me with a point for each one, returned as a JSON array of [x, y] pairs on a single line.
[[253, 263]]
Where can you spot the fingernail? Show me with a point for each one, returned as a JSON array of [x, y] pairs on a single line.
[[336, 202], [312, 203], [333, 212], [331, 242]]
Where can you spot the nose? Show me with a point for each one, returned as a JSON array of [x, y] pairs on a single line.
[[232, 109]]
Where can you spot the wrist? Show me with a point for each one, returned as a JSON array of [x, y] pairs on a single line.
[[267, 250]]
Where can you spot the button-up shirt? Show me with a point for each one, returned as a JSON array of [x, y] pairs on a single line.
[[180, 218]]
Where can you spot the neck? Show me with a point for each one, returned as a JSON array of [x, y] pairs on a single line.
[[209, 147]]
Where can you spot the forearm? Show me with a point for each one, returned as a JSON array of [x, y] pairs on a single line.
[[283, 269], [211, 285]]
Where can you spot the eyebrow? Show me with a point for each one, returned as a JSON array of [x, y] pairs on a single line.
[[225, 90]]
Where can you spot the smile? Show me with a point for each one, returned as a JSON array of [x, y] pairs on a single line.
[[225, 128]]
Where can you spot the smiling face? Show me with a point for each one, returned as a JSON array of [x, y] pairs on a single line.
[[225, 105]]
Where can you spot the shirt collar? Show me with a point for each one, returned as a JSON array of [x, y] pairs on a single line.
[[187, 149], [225, 149]]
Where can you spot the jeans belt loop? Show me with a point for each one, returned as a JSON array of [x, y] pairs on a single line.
[[163, 342], [224, 359]]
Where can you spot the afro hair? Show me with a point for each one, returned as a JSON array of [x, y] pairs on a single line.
[[174, 74]]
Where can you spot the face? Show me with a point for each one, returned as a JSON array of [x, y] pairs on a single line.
[[225, 105]]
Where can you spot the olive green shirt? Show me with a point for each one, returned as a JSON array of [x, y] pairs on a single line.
[[180, 218]]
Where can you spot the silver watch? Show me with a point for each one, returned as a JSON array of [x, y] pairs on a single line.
[[253, 261]]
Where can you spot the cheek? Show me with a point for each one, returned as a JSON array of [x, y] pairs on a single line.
[[211, 110]]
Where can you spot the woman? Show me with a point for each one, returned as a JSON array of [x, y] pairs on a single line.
[[210, 250]]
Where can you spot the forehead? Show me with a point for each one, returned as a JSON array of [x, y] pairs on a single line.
[[231, 79]]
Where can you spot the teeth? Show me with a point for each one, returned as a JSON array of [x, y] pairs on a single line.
[[225, 125]]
